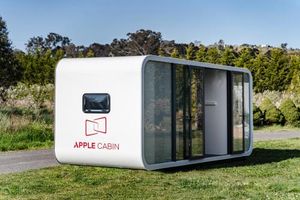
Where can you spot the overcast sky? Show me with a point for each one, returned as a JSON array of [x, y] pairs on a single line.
[[86, 21]]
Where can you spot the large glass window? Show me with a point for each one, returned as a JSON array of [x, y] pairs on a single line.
[[237, 105], [247, 111], [157, 112], [197, 117], [180, 108]]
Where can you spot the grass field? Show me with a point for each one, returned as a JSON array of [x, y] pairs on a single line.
[[25, 129], [272, 172]]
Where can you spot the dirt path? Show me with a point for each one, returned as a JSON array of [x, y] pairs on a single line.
[[18, 161], [278, 135]]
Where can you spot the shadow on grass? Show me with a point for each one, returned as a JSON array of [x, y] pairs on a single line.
[[259, 156]]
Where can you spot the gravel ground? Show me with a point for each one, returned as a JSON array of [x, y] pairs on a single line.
[[275, 135]]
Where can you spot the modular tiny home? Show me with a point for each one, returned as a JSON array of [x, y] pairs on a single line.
[[151, 112]]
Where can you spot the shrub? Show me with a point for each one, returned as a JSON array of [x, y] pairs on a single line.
[[266, 104], [277, 97], [272, 115], [290, 112], [35, 97], [258, 116]]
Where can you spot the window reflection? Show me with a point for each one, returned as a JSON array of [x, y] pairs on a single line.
[[157, 112], [247, 111], [237, 97]]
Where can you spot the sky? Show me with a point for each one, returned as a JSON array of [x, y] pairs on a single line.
[[87, 21]]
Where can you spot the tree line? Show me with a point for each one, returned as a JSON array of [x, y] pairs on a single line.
[[273, 68]]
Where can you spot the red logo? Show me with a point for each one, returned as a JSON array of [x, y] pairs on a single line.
[[93, 127]]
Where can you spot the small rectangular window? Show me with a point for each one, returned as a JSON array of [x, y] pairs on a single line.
[[96, 103]]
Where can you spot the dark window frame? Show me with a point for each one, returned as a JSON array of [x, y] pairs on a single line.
[[95, 111]]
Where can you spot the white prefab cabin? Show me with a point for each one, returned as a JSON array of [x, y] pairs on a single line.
[[151, 112]]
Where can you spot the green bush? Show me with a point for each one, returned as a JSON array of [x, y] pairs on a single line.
[[258, 116], [272, 115], [290, 112], [266, 104]]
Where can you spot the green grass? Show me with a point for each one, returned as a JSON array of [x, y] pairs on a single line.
[[24, 129], [273, 128], [33, 136], [272, 172]]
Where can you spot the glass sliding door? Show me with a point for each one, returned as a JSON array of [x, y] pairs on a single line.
[[237, 113], [180, 108], [189, 112], [197, 115], [173, 112]]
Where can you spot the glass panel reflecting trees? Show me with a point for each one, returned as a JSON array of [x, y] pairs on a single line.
[[197, 120], [247, 111], [174, 112], [237, 105], [157, 112], [189, 112], [180, 108]]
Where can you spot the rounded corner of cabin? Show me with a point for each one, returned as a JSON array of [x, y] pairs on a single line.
[[57, 155], [145, 165], [146, 59], [247, 71], [59, 64], [249, 151]]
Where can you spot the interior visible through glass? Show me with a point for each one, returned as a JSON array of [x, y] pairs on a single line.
[[186, 84], [189, 112]]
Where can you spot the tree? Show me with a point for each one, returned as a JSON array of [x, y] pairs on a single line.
[[284, 46], [10, 69], [295, 83], [213, 55], [175, 53], [73, 51], [52, 42], [246, 58], [90, 53], [260, 76], [201, 54], [142, 42], [190, 52], [100, 50], [221, 45], [166, 47], [55, 41], [228, 57], [278, 71], [39, 67]]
